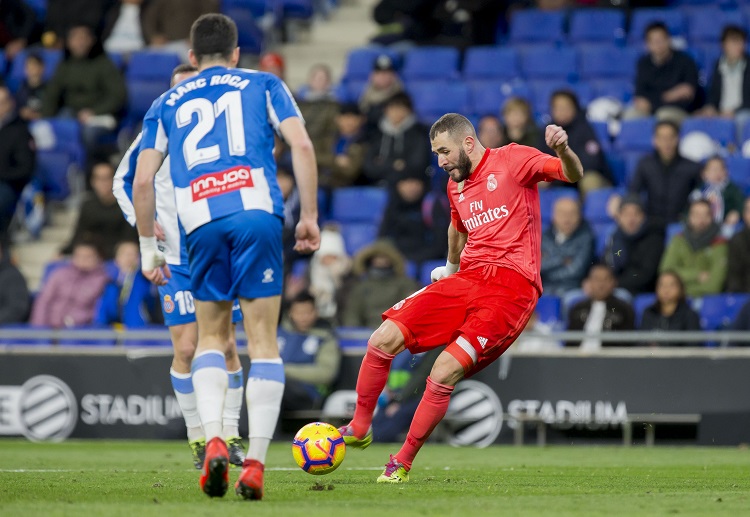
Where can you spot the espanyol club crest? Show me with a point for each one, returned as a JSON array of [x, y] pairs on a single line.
[[168, 304], [491, 182]]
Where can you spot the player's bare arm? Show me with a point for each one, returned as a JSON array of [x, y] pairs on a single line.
[[557, 140], [153, 265], [307, 232]]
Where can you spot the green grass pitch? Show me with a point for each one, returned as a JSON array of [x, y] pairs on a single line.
[[102, 478]]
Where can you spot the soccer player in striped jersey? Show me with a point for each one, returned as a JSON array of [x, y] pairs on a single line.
[[218, 129], [177, 302]]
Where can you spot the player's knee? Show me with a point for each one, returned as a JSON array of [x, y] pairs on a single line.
[[387, 338], [446, 370], [184, 351], [230, 354]]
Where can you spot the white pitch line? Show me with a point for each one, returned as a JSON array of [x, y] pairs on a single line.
[[116, 471]]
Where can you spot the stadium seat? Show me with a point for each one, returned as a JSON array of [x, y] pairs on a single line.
[[739, 172], [632, 159], [51, 58], [719, 129], [152, 66], [348, 337], [258, 8], [718, 311], [488, 97], [618, 166], [39, 7], [548, 197], [426, 270], [53, 170], [359, 204], [595, 205], [640, 303], [548, 309], [358, 235], [617, 88], [635, 135], [673, 229], [427, 63], [360, 61], [643, 17], [608, 62], [141, 94], [249, 34], [542, 90], [59, 134], [543, 62], [432, 100], [490, 63], [353, 90], [602, 134], [298, 9], [602, 231], [704, 24], [535, 26], [596, 25]]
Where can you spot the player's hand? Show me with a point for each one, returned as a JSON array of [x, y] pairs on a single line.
[[159, 232], [556, 138], [153, 264], [307, 235], [441, 272]]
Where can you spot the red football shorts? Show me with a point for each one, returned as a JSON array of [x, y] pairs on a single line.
[[488, 307]]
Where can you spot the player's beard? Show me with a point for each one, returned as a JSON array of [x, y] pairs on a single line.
[[462, 170]]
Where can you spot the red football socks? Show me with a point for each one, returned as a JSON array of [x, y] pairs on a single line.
[[430, 411], [373, 374]]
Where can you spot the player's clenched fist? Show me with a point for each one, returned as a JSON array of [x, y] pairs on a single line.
[[556, 138], [441, 272], [307, 235], [153, 264]]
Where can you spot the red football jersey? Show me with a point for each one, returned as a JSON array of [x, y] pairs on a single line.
[[498, 206]]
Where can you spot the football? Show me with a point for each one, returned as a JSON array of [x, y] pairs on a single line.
[[318, 448]]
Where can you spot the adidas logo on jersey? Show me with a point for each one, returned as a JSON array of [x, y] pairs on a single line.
[[460, 197], [482, 341]]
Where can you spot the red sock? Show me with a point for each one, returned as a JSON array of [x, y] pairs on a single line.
[[373, 374], [430, 411]]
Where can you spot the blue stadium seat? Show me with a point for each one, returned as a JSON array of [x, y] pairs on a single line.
[[718, 311], [488, 97], [635, 135], [358, 235], [359, 204], [642, 18], [490, 63], [249, 35], [432, 100], [595, 205], [411, 269], [426, 270], [51, 58], [719, 129], [152, 66], [548, 197], [608, 62], [141, 94], [542, 90], [52, 169], [39, 7], [632, 159], [360, 61], [424, 63], [673, 229], [602, 231], [739, 172], [640, 303], [298, 9], [544, 62], [352, 90], [618, 166], [617, 88], [60, 134], [258, 8], [347, 339], [548, 309], [705, 24], [596, 25], [535, 26], [602, 134]]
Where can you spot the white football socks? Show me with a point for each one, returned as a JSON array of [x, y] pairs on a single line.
[[265, 389], [210, 382], [233, 404], [182, 384]]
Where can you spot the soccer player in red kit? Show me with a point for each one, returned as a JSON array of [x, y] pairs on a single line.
[[479, 308]]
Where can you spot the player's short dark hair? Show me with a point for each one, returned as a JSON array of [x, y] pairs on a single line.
[[572, 97], [183, 68], [302, 297], [454, 124], [733, 31], [655, 26], [214, 36], [667, 123]]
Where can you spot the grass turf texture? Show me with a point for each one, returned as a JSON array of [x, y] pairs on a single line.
[[94, 478]]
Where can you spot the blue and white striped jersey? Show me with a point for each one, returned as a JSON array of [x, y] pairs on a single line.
[[218, 130], [174, 248]]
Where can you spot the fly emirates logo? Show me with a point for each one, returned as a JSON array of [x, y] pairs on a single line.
[[480, 216]]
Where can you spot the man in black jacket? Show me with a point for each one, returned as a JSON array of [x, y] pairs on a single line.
[[17, 160], [15, 300], [634, 250], [665, 177], [729, 91], [738, 259]]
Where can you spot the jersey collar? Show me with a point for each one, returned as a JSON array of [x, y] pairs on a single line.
[[481, 163]]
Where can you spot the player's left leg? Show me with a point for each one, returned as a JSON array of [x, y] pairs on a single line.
[[233, 402]]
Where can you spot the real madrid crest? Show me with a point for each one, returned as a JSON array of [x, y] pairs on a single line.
[[460, 186], [491, 182]]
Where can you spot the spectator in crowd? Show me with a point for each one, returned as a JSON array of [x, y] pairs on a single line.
[[602, 311], [70, 295], [665, 177], [17, 21], [725, 197], [699, 254], [30, 94], [343, 165], [100, 218], [166, 23], [63, 15], [129, 299], [320, 110], [329, 269], [729, 91], [519, 124], [567, 248], [382, 85], [311, 355], [398, 147], [566, 112], [273, 63], [123, 27], [380, 281], [86, 85], [666, 81], [671, 311], [403, 222], [635, 248], [491, 132], [738, 256], [15, 299], [17, 160]]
